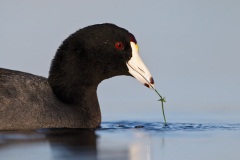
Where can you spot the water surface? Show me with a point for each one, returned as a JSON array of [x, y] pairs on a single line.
[[133, 140]]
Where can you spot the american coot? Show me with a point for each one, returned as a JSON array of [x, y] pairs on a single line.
[[67, 98]]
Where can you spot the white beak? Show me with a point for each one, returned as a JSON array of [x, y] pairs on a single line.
[[138, 69]]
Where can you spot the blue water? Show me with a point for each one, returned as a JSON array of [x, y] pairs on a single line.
[[133, 140], [158, 126]]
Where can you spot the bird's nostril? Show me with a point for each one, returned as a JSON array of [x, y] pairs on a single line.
[[151, 80], [141, 70]]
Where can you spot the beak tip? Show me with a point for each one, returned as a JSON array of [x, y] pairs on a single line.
[[151, 80], [145, 84]]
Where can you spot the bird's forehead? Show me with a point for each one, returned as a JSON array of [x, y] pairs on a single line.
[[132, 38]]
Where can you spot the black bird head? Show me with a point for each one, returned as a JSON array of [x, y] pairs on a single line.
[[95, 53]]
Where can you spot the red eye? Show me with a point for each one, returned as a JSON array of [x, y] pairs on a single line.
[[119, 45]]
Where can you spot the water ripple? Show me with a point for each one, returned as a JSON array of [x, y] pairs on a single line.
[[158, 126]]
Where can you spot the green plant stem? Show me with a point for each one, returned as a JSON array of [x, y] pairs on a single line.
[[162, 99]]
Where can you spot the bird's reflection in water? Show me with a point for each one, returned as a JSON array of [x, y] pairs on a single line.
[[59, 144], [72, 144]]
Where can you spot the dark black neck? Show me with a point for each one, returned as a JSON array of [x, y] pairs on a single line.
[[71, 75], [75, 86], [72, 87]]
